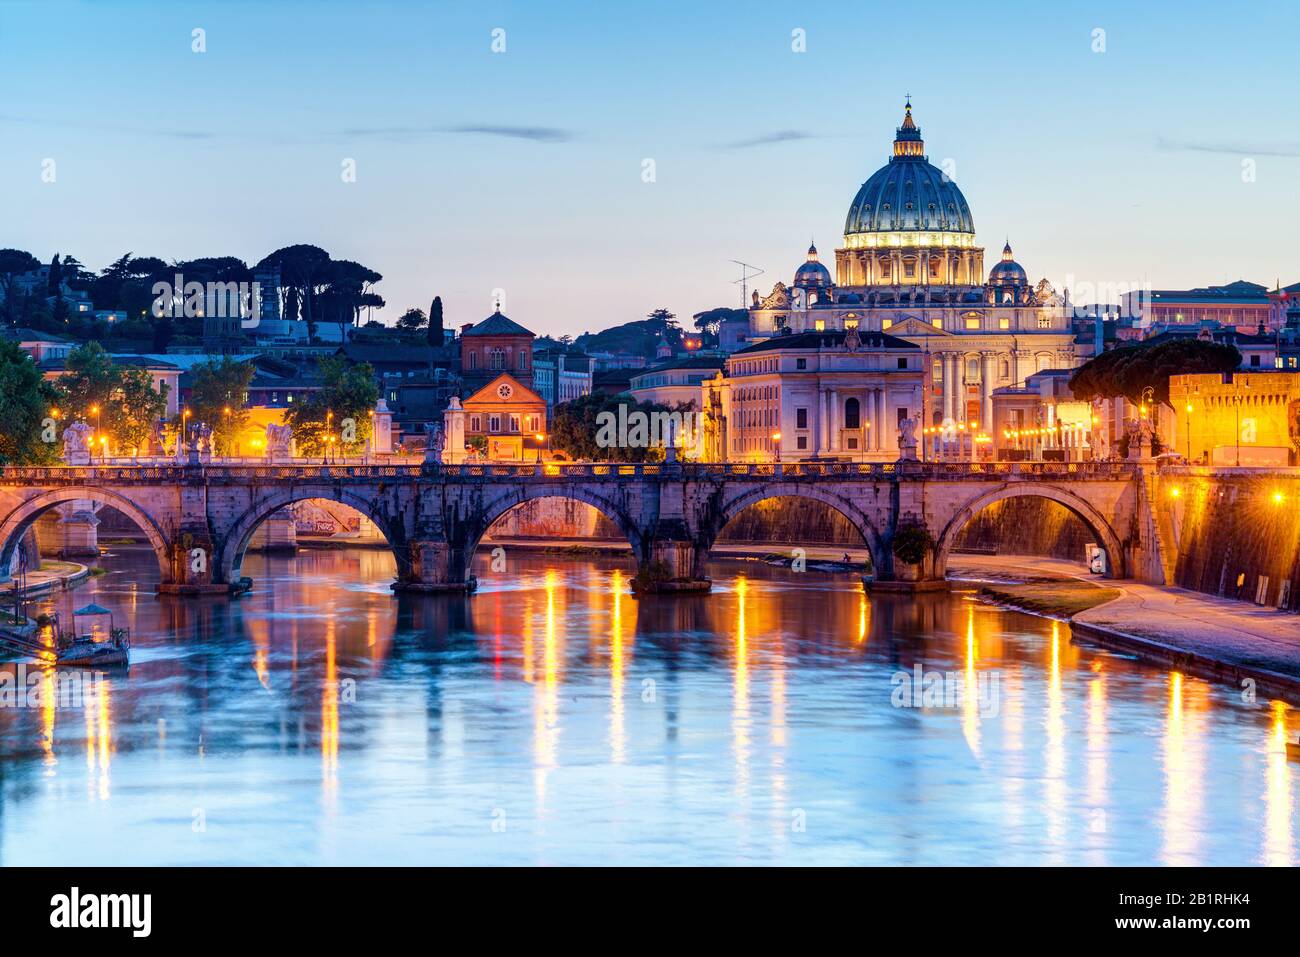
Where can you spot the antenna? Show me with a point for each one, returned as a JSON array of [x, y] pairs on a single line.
[[743, 281]]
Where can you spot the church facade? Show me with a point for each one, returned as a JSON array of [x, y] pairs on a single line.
[[909, 266]]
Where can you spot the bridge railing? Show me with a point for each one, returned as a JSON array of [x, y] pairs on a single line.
[[612, 471]]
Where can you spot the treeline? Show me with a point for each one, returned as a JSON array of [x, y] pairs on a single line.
[[313, 286]]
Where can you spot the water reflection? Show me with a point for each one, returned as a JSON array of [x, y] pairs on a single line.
[[554, 717]]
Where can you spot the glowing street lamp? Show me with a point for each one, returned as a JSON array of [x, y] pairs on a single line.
[[540, 437], [776, 442]]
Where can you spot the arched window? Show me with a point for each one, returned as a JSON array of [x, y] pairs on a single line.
[[498, 359], [852, 414], [473, 360]]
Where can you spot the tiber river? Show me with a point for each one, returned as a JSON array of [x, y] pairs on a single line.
[[552, 718]]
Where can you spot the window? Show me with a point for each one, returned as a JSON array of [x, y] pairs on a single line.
[[523, 361], [494, 423], [852, 442], [1044, 322], [801, 418], [801, 363], [1004, 323], [473, 360], [972, 323], [801, 442], [475, 423], [886, 323], [937, 323], [514, 423], [498, 359], [902, 362], [820, 325], [852, 414], [1254, 360], [972, 369]]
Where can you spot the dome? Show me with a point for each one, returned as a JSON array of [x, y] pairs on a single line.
[[1008, 272], [908, 193], [812, 274]]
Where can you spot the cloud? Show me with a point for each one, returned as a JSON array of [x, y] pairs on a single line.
[[110, 128], [537, 134], [766, 139], [1240, 149]]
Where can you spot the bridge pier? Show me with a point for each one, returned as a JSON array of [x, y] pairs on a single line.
[[435, 567], [670, 567], [193, 568]]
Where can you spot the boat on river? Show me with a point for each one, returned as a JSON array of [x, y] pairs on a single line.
[[94, 641]]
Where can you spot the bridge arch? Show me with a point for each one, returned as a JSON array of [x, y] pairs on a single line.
[[1082, 509], [235, 543], [16, 524], [499, 506], [856, 517]]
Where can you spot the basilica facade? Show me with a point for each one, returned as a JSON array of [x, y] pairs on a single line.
[[910, 267]]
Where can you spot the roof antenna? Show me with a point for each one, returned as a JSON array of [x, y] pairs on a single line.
[[743, 281]]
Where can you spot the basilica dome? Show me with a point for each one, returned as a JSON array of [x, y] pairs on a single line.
[[812, 274], [1008, 272], [908, 194]]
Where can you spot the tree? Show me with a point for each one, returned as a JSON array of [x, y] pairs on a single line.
[[27, 403], [128, 405], [436, 335], [411, 320], [219, 397], [55, 282], [576, 424], [339, 410], [1127, 371], [710, 321], [303, 269], [13, 263]]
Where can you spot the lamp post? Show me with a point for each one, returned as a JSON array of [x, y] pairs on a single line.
[[540, 437], [776, 444], [1189, 433]]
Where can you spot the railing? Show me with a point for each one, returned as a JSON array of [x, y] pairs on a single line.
[[838, 471]]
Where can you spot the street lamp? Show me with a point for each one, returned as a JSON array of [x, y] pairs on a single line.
[[540, 437], [776, 441], [1189, 433]]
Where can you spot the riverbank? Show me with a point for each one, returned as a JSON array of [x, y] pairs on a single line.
[[1215, 638], [55, 576]]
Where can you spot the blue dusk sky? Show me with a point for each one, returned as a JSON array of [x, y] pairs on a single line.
[[523, 170]]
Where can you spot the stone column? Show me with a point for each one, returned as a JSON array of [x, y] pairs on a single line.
[[822, 431], [834, 417], [435, 567], [987, 368], [949, 385]]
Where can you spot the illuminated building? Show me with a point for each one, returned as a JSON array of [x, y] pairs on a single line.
[[821, 395], [910, 266], [505, 416], [1247, 418]]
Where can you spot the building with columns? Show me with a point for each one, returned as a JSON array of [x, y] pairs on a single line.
[[909, 267], [829, 396]]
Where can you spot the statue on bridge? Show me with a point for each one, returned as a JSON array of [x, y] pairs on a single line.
[[907, 440], [435, 443], [279, 442], [76, 444]]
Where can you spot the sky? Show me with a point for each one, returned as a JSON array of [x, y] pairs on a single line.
[[1164, 149]]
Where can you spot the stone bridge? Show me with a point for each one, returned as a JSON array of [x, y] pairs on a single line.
[[200, 519]]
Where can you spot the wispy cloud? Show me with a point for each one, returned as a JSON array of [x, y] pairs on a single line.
[[766, 139], [1238, 149], [537, 134], [109, 127]]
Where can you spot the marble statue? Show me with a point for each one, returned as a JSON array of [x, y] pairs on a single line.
[[76, 444]]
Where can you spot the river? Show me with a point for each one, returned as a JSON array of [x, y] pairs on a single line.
[[553, 718]]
